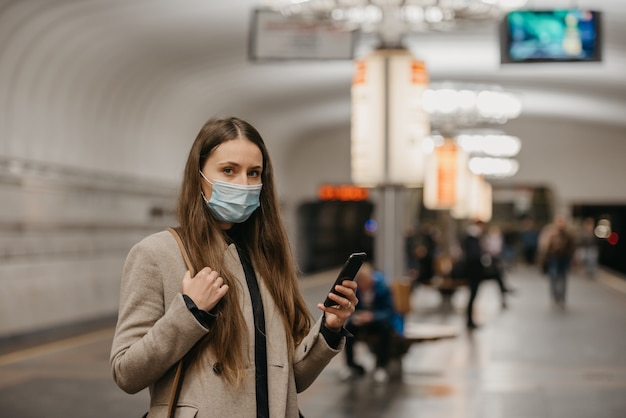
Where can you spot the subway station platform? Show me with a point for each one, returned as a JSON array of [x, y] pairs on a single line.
[[529, 360]]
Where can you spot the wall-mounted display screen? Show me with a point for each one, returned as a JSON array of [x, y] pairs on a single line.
[[560, 35], [274, 36]]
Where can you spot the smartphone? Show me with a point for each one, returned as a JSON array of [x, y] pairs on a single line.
[[353, 264]]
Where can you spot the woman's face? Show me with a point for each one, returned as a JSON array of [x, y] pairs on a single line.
[[236, 161]]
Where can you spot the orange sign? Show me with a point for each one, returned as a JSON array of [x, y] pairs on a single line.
[[446, 174], [344, 192], [418, 73], [359, 72]]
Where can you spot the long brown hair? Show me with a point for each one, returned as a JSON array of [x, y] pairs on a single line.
[[266, 242]]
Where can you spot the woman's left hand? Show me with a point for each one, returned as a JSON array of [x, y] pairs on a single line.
[[336, 316]]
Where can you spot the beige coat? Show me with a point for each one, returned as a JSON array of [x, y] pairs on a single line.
[[155, 329]]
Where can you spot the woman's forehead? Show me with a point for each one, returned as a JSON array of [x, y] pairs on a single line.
[[238, 150]]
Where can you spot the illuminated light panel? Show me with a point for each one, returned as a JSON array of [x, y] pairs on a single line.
[[391, 19], [454, 106], [490, 144], [493, 167]]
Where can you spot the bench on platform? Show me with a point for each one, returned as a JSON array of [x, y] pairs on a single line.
[[446, 279], [414, 333], [419, 333], [450, 276], [447, 287]]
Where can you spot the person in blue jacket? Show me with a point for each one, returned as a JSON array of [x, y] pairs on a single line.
[[373, 316]]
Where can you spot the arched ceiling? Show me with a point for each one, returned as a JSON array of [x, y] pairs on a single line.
[[142, 73]]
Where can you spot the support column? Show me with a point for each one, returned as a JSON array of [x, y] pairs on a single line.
[[390, 254]]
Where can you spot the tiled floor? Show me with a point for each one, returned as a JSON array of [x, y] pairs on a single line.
[[531, 360]]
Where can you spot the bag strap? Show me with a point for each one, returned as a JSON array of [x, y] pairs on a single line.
[[177, 234], [178, 377], [176, 384]]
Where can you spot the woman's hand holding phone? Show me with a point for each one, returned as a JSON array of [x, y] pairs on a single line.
[[337, 314], [341, 299]]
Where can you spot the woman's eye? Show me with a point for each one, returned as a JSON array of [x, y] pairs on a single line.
[[228, 170], [254, 173]]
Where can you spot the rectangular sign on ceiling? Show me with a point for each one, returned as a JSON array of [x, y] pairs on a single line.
[[389, 124], [273, 36], [445, 176], [367, 142], [409, 124], [475, 199]]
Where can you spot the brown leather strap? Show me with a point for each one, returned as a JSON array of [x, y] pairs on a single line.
[[178, 377], [183, 250], [176, 384]]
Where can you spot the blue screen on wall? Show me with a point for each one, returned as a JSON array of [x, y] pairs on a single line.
[[562, 35]]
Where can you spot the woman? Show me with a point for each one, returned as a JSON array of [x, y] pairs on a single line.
[[241, 317]]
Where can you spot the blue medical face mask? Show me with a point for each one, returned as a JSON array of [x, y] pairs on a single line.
[[231, 202]]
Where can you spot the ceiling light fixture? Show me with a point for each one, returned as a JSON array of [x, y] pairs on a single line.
[[453, 106], [489, 143], [391, 18], [493, 167]]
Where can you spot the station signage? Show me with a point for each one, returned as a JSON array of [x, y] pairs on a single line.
[[343, 192]]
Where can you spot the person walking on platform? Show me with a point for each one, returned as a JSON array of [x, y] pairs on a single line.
[[558, 256], [473, 266], [373, 319], [529, 238], [510, 243], [421, 249], [221, 327], [492, 246]]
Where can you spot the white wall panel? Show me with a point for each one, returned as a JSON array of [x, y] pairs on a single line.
[[582, 162]]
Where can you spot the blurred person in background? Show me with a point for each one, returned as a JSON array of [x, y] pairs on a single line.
[[529, 240], [510, 237], [372, 319], [473, 266], [240, 323], [492, 246], [560, 246], [424, 250], [588, 247], [410, 238]]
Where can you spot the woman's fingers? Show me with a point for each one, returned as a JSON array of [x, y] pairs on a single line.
[[207, 273], [348, 290], [206, 288]]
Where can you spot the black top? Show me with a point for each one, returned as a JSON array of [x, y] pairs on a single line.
[[260, 342]]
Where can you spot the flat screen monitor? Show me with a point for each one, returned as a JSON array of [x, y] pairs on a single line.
[[558, 35]]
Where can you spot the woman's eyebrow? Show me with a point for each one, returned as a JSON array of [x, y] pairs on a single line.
[[228, 163], [236, 164]]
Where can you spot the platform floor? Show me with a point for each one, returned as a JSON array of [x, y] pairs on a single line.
[[530, 360]]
